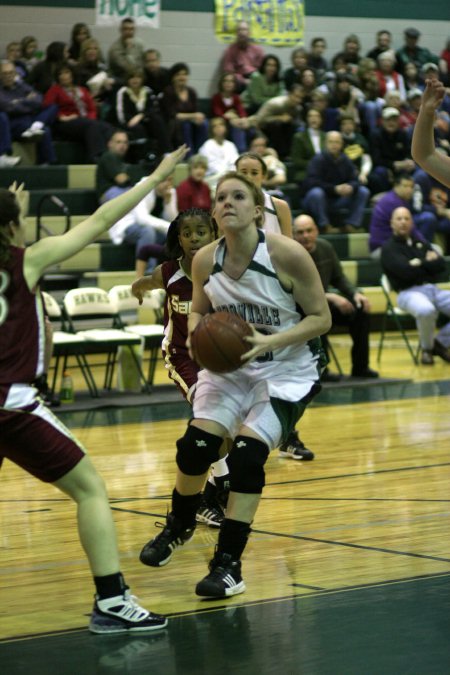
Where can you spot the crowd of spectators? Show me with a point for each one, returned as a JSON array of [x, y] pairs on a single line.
[[343, 124]]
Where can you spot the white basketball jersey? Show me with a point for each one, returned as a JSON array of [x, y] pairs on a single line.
[[257, 297]]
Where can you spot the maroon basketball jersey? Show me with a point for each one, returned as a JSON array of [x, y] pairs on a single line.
[[21, 327], [178, 287]]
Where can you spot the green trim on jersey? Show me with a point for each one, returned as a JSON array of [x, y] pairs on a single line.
[[256, 267]]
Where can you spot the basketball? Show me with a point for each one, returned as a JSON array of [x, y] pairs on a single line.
[[218, 343]]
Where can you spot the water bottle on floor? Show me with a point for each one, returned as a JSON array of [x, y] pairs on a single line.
[[67, 393]]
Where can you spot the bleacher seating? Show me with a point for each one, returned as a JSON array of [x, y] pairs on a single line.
[[105, 264]]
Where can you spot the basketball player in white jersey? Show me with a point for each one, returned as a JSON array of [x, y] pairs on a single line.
[[273, 284]]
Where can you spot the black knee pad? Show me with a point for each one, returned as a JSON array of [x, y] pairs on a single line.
[[246, 465], [197, 450]]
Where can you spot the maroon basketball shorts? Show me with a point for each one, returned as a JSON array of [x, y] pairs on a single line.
[[34, 439]]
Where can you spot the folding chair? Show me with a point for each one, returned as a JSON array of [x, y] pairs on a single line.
[[66, 345], [90, 314], [126, 306], [398, 316]]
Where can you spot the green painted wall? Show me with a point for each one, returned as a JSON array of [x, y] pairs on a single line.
[[388, 9]]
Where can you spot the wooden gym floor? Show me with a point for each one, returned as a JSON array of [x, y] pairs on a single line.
[[347, 569]]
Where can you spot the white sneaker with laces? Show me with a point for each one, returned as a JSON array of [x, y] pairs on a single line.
[[122, 614]]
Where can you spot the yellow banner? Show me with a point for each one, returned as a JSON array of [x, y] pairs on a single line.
[[279, 23]]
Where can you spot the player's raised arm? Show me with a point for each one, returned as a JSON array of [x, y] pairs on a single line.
[[51, 250], [423, 148]]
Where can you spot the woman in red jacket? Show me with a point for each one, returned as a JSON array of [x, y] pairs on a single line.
[[227, 104], [77, 114]]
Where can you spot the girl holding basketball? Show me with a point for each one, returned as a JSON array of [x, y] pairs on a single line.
[[261, 277], [30, 435], [188, 233]]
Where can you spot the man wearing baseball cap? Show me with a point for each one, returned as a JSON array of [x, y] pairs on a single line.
[[391, 154], [412, 52]]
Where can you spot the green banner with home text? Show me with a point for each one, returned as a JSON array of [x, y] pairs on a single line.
[[112, 12]]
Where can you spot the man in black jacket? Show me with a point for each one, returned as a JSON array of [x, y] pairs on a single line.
[[332, 184], [349, 307], [414, 268]]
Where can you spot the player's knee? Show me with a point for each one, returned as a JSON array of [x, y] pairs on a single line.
[[246, 465], [197, 450]]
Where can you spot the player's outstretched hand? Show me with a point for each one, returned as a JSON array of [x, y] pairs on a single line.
[[168, 164], [433, 95]]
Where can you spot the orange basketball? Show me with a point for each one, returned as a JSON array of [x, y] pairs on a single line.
[[218, 343]]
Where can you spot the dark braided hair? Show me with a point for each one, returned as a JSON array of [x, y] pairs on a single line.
[[9, 212], [173, 248]]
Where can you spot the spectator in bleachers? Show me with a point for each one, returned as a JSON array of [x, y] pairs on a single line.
[[414, 269], [299, 60], [316, 59], [156, 76], [127, 52], [227, 103], [76, 118], [390, 148], [6, 159], [280, 117], [412, 52], [430, 71], [43, 74], [263, 84], [91, 72], [345, 96], [412, 77], [137, 113], [330, 116], [79, 33], [13, 54], [307, 143], [372, 105], [348, 307], [276, 171], [179, 104], [242, 57], [112, 174], [401, 194], [309, 82], [27, 118], [388, 77], [30, 54], [356, 147], [147, 224], [194, 192], [332, 184], [383, 43], [444, 63], [351, 54], [220, 153], [408, 116]]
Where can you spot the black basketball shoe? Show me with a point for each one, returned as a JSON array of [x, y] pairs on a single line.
[[158, 551], [224, 578], [293, 447]]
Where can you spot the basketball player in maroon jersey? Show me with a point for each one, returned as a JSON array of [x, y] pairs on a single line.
[[30, 435], [189, 232]]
